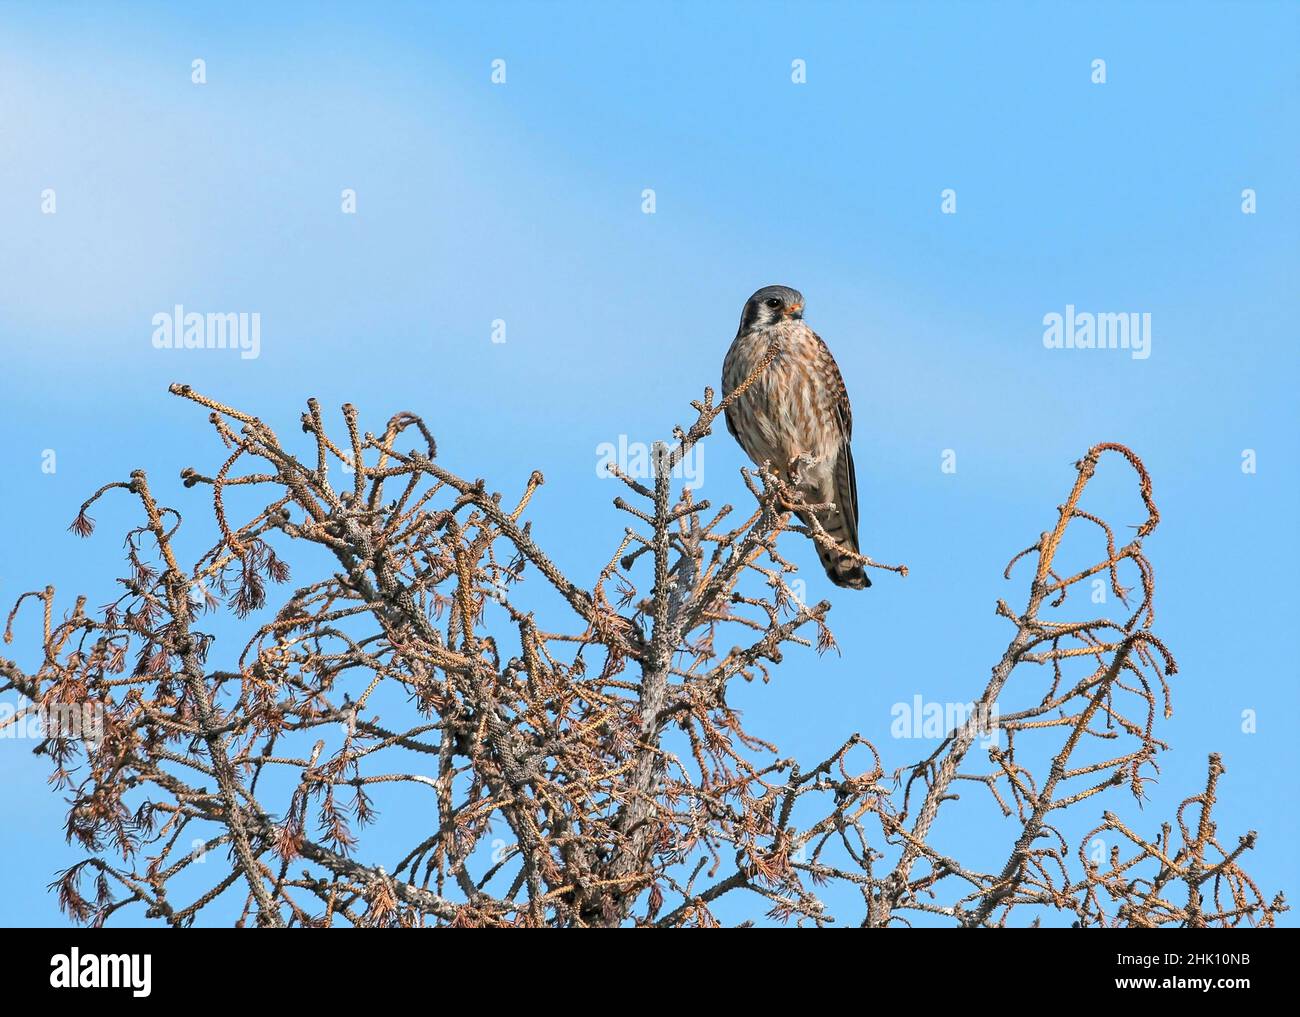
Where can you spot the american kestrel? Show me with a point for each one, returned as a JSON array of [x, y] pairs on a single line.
[[796, 417]]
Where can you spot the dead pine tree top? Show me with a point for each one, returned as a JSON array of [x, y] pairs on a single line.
[[577, 762]]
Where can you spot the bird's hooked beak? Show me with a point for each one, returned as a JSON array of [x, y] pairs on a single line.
[[793, 311]]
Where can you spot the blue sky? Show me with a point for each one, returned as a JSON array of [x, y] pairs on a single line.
[[523, 202]]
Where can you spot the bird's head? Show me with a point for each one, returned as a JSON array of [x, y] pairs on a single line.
[[770, 306]]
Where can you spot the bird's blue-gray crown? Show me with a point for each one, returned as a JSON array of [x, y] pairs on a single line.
[[769, 306]]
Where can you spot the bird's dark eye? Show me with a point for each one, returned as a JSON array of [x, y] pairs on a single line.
[[772, 302]]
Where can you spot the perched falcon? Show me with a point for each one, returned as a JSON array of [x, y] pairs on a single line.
[[796, 417]]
